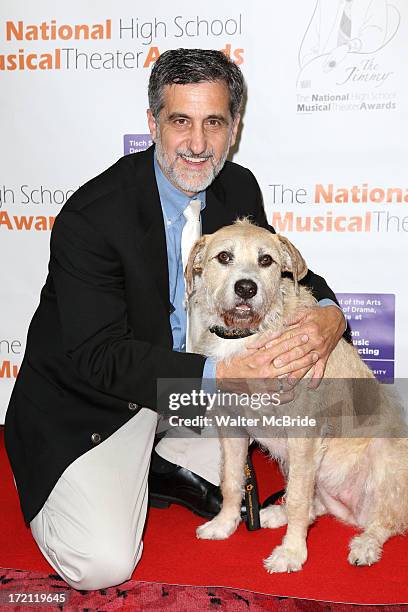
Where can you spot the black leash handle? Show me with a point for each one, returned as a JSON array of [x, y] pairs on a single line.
[[253, 521]]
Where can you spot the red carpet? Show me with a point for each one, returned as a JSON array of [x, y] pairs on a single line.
[[133, 596], [173, 555]]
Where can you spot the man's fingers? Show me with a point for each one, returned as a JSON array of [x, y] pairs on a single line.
[[264, 364], [305, 362], [262, 340], [270, 339], [318, 373], [259, 359], [284, 347], [295, 377], [289, 334], [293, 352]]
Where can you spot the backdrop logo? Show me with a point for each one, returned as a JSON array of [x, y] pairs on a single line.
[[359, 194], [10, 349], [133, 143], [372, 322], [356, 208], [52, 31], [39, 223], [17, 199], [19, 31], [341, 61], [72, 46]]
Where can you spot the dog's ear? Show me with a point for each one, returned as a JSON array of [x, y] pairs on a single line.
[[292, 260], [194, 262]]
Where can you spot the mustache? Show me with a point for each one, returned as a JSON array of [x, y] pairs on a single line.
[[188, 153]]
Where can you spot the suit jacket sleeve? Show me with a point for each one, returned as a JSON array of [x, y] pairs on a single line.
[[317, 284], [91, 298]]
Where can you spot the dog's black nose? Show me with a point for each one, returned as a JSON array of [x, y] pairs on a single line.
[[245, 288]]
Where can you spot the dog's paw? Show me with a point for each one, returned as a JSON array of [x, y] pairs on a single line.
[[273, 517], [285, 559], [364, 550], [217, 529]]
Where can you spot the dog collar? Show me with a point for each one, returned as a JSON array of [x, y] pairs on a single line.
[[231, 334]]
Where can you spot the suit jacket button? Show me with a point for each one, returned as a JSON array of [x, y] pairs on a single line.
[[96, 438], [132, 406]]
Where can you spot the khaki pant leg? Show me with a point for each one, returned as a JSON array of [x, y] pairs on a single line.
[[90, 528]]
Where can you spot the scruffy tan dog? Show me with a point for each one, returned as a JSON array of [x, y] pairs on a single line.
[[234, 283]]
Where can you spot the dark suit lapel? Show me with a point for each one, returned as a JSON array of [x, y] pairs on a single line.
[[215, 214], [153, 240], [155, 254]]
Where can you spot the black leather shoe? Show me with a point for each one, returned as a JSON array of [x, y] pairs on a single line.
[[180, 486]]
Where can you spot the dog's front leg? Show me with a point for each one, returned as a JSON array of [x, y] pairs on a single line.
[[292, 553], [234, 452]]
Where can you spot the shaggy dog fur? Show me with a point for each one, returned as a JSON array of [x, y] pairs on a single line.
[[353, 465]]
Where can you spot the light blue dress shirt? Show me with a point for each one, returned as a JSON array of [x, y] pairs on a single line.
[[173, 203]]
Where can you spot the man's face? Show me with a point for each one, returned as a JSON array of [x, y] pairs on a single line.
[[193, 134]]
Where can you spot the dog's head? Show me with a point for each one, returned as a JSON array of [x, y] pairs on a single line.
[[239, 268]]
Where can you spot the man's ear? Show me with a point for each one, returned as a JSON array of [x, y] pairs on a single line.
[[235, 126], [292, 261], [194, 263], [151, 122]]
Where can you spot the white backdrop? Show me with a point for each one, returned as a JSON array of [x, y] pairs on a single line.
[[324, 131]]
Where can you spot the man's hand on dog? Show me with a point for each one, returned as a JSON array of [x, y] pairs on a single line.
[[322, 326], [256, 368]]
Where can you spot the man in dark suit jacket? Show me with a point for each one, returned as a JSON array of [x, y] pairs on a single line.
[[81, 420]]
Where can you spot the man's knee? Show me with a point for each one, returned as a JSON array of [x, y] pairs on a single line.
[[103, 567]]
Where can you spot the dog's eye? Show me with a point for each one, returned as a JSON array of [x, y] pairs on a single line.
[[265, 261], [224, 257]]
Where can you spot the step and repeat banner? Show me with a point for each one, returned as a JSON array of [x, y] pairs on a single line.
[[324, 131]]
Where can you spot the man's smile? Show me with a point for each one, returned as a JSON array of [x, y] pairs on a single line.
[[194, 162]]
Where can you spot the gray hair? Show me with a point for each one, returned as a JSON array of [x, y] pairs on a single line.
[[185, 66]]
